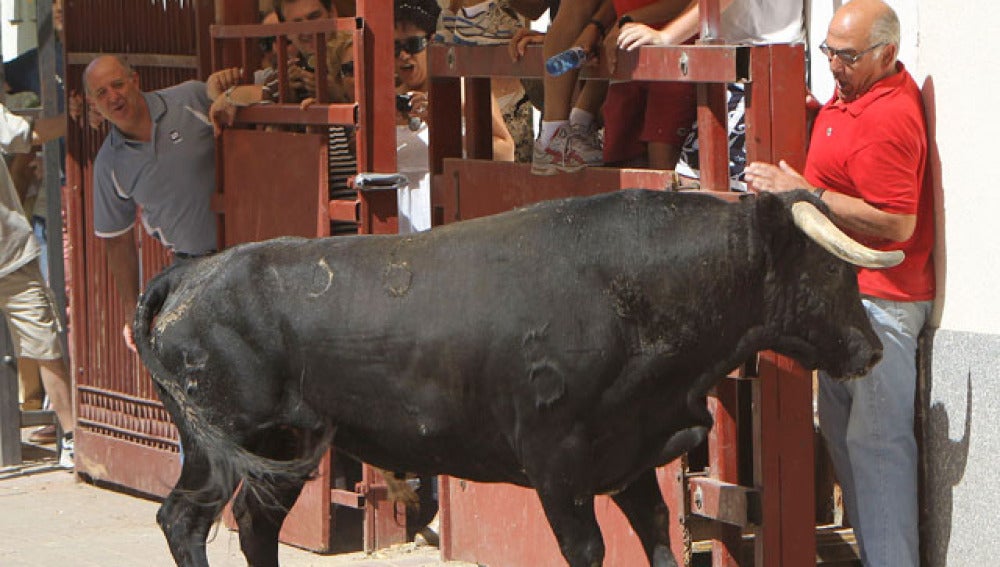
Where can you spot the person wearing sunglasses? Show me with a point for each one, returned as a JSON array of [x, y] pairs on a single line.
[[416, 21], [866, 162]]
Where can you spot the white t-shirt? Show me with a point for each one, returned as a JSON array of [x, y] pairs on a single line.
[[763, 21], [412, 157], [18, 245]]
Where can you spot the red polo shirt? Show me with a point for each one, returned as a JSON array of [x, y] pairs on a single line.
[[875, 148]]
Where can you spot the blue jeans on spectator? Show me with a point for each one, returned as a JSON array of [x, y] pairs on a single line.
[[868, 427]]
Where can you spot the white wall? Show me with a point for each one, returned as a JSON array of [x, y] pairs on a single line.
[[17, 38], [957, 57]]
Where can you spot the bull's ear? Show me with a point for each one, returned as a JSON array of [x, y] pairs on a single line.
[[773, 213]]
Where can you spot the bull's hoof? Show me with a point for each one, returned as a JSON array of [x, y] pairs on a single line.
[[428, 535]]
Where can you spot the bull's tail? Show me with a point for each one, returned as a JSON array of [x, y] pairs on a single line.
[[203, 441]]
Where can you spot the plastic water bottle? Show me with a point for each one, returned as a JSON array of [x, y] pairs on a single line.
[[572, 58]]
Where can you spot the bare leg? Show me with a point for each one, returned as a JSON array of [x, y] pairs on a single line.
[[592, 96], [569, 22], [55, 378], [662, 156]]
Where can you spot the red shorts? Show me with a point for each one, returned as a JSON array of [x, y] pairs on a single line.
[[657, 111]]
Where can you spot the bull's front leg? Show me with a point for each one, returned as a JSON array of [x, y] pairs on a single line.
[[558, 469], [643, 503], [649, 515], [186, 517]]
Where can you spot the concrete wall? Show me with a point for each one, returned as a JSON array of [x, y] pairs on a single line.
[[962, 440], [17, 26], [946, 47]]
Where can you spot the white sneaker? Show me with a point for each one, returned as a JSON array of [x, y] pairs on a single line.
[[556, 155], [588, 142], [495, 25], [66, 460]]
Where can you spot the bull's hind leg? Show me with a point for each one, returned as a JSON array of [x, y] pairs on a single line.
[[260, 518], [186, 517], [260, 512], [643, 505]]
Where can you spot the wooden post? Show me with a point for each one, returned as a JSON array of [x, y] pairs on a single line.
[[10, 411]]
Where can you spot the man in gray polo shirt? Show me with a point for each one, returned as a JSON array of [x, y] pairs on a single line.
[[160, 155]]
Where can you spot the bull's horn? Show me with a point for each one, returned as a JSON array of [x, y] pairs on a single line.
[[821, 229]]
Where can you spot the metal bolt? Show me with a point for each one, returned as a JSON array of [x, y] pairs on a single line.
[[8, 360], [684, 63], [698, 498]]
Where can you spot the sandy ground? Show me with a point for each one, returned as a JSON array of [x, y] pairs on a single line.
[[49, 518]]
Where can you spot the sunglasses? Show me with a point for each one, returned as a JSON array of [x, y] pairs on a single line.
[[846, 56], [347, 69], [411, 45]]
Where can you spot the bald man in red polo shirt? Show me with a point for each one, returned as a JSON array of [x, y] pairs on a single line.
[[866, 161]]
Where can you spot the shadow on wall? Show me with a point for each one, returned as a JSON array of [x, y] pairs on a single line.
[[943, 459], [933, 176]]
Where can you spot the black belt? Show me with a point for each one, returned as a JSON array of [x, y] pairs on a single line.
[[187, 256]]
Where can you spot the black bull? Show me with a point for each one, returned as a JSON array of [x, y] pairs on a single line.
[[568, 347]]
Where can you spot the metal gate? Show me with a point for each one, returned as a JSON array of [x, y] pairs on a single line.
[[124, 436]]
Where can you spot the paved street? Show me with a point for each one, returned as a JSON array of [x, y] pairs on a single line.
[[48, 519]]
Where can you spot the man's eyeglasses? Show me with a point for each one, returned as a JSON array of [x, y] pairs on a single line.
[[411, 45], [347, 69], [847, 56]]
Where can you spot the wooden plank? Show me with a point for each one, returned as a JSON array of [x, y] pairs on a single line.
[[720, 494], [723, 501], [684, 63]]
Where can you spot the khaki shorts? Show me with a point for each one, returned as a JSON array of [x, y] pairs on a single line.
[[28, 307]]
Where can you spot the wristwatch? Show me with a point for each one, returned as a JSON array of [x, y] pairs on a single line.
[[626, 19], [818, 192]]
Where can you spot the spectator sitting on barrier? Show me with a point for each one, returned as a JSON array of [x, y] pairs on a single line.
[[867, 161], [477, 22], [570, 134], [415, 23], [171, 176], [25, 299], [493, 22], [660, 111], [742, 21]]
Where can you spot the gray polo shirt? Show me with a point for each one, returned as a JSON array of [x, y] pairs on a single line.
[[171, 177]]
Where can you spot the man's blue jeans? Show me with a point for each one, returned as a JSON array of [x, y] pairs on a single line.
[[868, 427]]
